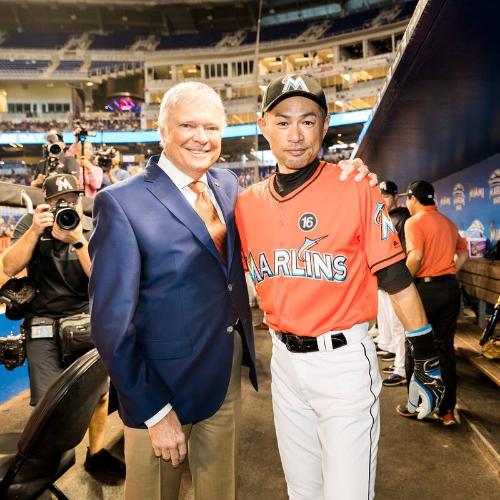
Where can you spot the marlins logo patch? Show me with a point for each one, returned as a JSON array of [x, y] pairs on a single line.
[[382, 219], [62, 183], [291, 83]]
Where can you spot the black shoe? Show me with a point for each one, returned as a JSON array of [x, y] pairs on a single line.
[[104, 466], [394, 380], [388, 356], [404, 412], [388, 369]]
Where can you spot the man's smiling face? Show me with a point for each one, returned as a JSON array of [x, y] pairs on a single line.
[[193, 136]]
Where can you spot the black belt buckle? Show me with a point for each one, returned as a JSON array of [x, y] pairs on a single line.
[[430, 279], [338, 340], [294, 343]]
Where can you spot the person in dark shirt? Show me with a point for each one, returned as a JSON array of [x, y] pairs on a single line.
[[391, 339], [398, 214], [58, 263], [62, 164]]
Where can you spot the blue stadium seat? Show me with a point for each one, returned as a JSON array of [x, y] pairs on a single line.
[[114, 41], [66, 66], [23, 65], [35, 40]]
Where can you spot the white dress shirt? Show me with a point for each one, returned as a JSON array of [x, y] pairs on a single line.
[[182, 182]]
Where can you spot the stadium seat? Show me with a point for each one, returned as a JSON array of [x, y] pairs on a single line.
[[45, 449]]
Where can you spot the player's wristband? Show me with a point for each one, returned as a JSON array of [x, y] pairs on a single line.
[[422, 342]]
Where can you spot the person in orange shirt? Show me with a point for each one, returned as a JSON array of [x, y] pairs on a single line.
[[316, 248], [436, 252]]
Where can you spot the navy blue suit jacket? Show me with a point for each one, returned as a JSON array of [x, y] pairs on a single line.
[[162, 299]]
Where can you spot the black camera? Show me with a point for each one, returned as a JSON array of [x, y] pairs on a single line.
[[81, 132], [65, 215], [54, 150], [105, 157], [12, 351], [52, 153]]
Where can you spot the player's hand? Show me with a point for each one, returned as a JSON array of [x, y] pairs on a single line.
[[349, 166], [42, 219], [427, 386], [168, 439]]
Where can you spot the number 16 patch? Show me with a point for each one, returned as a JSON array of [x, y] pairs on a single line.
[[308, 221]]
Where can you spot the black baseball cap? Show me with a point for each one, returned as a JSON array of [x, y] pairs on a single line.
[[422, 190], [388, 187], [293, 85], [55, 185]]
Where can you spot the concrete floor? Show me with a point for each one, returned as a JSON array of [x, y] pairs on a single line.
[[416, 459]]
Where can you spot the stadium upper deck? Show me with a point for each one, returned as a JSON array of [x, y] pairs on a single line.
[[350, 52], [127, 37]]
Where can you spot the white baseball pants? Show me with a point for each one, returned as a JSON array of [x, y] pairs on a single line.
[[391, 332], [326, 413]]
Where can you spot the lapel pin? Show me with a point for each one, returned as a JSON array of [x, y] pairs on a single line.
[[217, 184]]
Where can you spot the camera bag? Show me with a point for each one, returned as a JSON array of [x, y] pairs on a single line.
[[74, 335]]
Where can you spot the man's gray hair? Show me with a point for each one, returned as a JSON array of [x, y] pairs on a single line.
[[187, 91]]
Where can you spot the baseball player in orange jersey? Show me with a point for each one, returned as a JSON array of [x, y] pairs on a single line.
[[316, 249]]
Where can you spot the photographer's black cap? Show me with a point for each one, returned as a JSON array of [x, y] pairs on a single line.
[[55, 185], [422, 190], [293, 85], [388, 187]]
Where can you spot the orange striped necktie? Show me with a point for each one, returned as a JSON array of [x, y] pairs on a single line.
[[206, 210]]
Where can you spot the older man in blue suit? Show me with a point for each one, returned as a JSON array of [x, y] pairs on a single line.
[[169, 305]]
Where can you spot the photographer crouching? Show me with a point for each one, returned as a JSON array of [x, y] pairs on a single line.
[[54, 160], [52, 245]]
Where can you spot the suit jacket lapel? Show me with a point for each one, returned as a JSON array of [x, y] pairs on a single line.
[[167, 193], [227, 208]]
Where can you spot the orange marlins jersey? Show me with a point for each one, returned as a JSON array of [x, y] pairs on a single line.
[[312, 254]]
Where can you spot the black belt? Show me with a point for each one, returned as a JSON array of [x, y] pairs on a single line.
[[294, 343], [430, 279]]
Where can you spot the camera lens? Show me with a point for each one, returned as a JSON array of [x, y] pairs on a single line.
[[67, 218], [54, 149]]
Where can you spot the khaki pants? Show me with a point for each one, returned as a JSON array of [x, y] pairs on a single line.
[[212, 452]]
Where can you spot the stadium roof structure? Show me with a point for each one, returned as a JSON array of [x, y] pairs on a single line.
[[165, 16], [440, 109]]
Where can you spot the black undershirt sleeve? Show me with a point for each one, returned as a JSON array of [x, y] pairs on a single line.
[[394, 278]]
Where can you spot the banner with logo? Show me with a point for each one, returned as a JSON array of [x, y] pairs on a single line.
[[471, 198]]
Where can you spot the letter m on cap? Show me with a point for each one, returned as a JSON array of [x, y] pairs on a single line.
[[291, 83], [63, 183]]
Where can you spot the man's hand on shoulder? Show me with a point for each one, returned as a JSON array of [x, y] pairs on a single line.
[[349, 166], [168, 439]]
